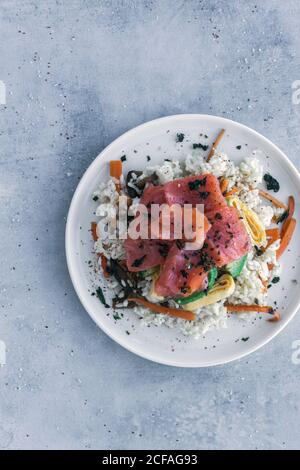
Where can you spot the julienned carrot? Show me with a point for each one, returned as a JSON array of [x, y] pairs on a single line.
[[276, 317], [291, 210], [175, 312], [115, 171], [103, 258], [233, 191], [250, 308], [256, 308], [272, 199], [215, 144], [273, 234], [94, 231], [224, 185], [104, 266], [286, 237]]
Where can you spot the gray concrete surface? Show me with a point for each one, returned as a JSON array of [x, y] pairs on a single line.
[[78, 74]]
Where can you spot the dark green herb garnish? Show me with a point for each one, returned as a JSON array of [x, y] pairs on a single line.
[[283, 216], [238, 147], [200, 146], [116, 316], [95, 198], [123, 158], [275, 279], [137, 262], [258, 251], [101, 297], [272, 183], [245, 339], [148, 158], [180, 137], [196, 183]]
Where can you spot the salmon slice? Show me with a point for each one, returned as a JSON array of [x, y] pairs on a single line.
[[153, 195], [183, 273], [227, 239], [201, 189], [187, 224], [145, 254]]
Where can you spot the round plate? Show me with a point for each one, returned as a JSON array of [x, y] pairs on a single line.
[[162, 344]]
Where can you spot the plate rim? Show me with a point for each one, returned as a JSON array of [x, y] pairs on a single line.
[[71, 265]]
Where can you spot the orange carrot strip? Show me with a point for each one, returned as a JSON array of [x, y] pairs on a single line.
[[286, 237], [103, 258], [275, 318], [272, 199], [115, 170], [291, 209], [104, 266], [215, 144], [256, 308], [233, 191], [94, 231], [250, 308], [224, 185], [175, 312], [273, 234]]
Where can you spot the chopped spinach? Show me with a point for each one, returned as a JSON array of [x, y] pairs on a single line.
[[272, 183], [101, 297], [200, 146], [196, 183], [180, 137], [137, 262]]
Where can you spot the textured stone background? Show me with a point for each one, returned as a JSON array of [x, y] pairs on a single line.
[[78, 74]]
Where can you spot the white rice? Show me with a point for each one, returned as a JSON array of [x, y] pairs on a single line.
[[249, 286]]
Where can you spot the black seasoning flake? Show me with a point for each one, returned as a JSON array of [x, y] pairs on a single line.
[[123, 158], [95, 198], [180, 137], [218, 216], [148, 158], [204, 194], [137, 262], [272, 183], [200, 146], [245, 339], [275, 280], [238, 147]]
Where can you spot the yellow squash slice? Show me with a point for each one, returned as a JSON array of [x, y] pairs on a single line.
[[252, 223], [223, 288]]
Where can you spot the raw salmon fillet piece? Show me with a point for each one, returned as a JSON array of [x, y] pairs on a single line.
[[181, 269], [227, 239], [202, 189], [145, 254]]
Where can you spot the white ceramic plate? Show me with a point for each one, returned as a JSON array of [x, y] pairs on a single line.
[[161, 344]]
